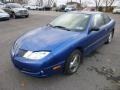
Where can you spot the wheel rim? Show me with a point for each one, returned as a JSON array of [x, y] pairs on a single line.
[[74, 64], [110, 37]]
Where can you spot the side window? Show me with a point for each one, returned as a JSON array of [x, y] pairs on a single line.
[[107, 19], [98, 20], [7, 6]]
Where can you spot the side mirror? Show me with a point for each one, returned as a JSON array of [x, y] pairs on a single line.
[[95, 29]]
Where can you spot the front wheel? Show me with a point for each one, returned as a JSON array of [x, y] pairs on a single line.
[[26, 16], [73, 62], [110, 37]]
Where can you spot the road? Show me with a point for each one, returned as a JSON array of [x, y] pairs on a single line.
[[100, 70]]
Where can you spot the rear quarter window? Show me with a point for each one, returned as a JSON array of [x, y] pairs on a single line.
[[106, 18]]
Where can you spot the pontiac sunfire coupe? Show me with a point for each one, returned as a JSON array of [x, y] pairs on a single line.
[[60, 45]]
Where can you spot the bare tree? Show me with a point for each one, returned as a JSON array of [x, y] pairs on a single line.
[[84, 4], [38, 2], [97, 3], [108, 4], [25, 1], [80, 3], [54, 4], [87, 3]]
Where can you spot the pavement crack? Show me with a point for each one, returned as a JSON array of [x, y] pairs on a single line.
[[107, 72]]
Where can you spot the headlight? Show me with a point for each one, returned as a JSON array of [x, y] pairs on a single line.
[[35, 55]]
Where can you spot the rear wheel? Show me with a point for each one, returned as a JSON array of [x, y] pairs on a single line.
[[73, 62]]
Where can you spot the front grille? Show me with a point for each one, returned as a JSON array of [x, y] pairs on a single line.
[[21, 52], [23, 11]]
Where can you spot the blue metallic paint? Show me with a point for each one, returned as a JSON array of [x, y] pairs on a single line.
[[60, 43]]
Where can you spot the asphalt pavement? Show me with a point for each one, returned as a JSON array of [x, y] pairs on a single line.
[[100, 70]]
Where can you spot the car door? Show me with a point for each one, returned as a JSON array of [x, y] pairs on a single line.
[[96, 37]]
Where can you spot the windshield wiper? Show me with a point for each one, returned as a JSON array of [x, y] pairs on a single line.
[[62, 27], [50, 25]]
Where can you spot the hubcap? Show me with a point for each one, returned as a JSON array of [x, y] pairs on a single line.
[[74, 64], [110, 37]]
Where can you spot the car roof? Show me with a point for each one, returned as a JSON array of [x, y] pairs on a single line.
[[11, 3], [87, 12]]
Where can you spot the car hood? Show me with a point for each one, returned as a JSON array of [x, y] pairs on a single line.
[[18, 9], [4, 15], [45, 38]]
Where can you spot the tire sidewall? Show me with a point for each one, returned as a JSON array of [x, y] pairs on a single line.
[[109, 41], [67, 63]]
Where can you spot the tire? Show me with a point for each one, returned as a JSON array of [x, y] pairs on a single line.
[[26, 16], [73, 62], [110, 37], [7, 18], [28, 8]]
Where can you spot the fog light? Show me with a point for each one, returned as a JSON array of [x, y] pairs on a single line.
[[42, 72]]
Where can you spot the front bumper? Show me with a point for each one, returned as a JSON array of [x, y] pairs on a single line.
[[35, 69], [21, 15], [4, 18]]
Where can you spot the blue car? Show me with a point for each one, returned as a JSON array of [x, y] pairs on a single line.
[[61, 45]]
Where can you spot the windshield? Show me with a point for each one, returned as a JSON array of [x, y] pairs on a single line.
[[1, 11], [14, 5], [71, 21], [70, 6], [117, 7]]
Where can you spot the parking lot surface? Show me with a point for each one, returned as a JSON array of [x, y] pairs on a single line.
[[100, 70]]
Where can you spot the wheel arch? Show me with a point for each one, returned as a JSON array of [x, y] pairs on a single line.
[[113, 30], [80, 48], [82, 52]]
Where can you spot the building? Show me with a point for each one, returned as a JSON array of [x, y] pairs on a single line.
[[42, 3], [74, 4]]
